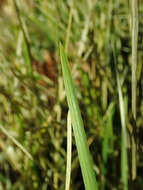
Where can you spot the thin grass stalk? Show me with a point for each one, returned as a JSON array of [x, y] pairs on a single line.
[[134, 53], [26, 39], [16, 142], [69, 26], [134, 75], [85, 159], [69, 152]]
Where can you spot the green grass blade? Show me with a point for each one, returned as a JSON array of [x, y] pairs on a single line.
[[108, 133], [107, 145], [78, 128], [124, 158], [123, 115]]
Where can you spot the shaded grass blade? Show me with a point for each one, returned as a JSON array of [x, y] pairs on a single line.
[[78, 127], [135, 30], [123, 115], [124, 158], [107, 145], [108, 133], [134, 53]]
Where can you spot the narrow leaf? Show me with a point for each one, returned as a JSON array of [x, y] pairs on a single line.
[[78, 127]]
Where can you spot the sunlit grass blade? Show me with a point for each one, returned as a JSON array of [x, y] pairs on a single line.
[[78, 127], [69, 152], [16, 142]]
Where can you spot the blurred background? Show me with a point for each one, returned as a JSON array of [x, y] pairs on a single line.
[[33, 107]]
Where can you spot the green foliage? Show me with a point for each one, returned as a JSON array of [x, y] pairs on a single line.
[[104, 49]]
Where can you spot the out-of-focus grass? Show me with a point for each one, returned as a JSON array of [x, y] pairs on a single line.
[[33, 107]]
